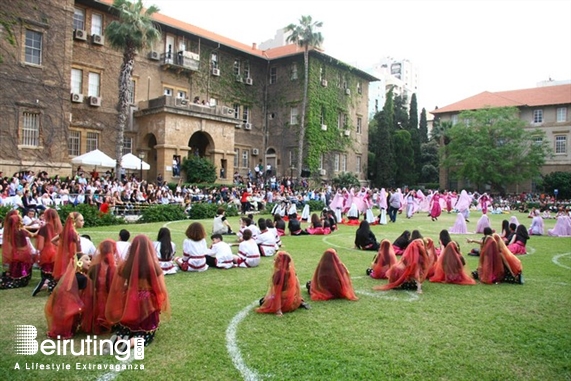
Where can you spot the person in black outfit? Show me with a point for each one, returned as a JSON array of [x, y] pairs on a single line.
[[365, 239], [294, 227]]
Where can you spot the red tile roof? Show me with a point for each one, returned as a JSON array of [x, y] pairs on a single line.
[[537, 96]]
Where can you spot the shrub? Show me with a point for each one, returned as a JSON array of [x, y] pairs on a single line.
[[199, 170], [3, 211], [560, 181], [158, 213], [346, 180], [91, 214], [315, 205], [203, 210]]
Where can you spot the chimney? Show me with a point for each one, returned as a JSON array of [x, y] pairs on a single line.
[[254, 46]]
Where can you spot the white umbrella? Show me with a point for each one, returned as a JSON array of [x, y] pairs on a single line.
[[130, 161], [95, 158]]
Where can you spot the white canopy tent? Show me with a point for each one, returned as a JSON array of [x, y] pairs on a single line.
[[95, 158], [130, 161]]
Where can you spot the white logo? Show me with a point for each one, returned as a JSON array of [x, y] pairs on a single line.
[[26, 344]]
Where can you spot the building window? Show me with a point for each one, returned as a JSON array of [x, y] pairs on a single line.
[[454, 119], [127, 145], [246, 69], [293, 71], [537, 141], [345, 121], [359, 88], [321, 74], [245, 158], [236, 68], [236, 110], [358, 165], [273, 75], [359, 124], [131, 94], [168, 91], [293, 158], [246, 114], [344, 163], [92, 141], [214, 60], [74, 143], [537, 116], [336, 163], [293, 116], [30, 129], [339, 120], [339, 80], [561, 114], [561, 144], [76, 81], [78, 19], [236, 157], [97, 24], [181, 94], [93, 89], [33, 47]]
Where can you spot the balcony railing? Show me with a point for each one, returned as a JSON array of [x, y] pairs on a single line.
[[185, 104], [181, 60]]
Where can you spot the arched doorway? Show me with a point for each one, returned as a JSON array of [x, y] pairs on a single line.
[[148, 148], [271, 161], [200, 144]]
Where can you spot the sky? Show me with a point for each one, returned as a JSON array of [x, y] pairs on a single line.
[[459, 48]]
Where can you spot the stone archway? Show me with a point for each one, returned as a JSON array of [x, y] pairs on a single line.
[[148, 148], [200, 144], [271, 159]]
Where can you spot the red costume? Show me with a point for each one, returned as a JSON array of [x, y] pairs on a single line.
[[331, 279], [383, 261], [450, 267]]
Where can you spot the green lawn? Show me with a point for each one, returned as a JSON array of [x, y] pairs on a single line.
[[450, 332]]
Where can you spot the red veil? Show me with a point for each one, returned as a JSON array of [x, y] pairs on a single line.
[[491, 266], [449, 267], [101, 273], [15, 249], [384, 260], [429, 267], [511, 262], [64, 305], [138, 292], [68, 246], [284, 293], [331, 279], [413, 265], [52, 228]]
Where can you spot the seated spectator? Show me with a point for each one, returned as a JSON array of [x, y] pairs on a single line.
[[401, 243], [383, 261], [449, 267], [123, 245], [220, 224], [248, 251], [519, 240], [294, 227], [220, 253], [537, 227], [266, 240], [165, 249], [365, 239], [194, 249]]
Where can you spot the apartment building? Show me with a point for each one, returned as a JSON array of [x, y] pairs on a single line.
[[193, 93], [545, 107]]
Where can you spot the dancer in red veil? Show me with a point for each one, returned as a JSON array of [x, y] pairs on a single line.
[[47, 248], [383, 261], [69, 243], [450, 267], [138, 295], [17, 253], [101, 273], [331, 279], [284, 293]]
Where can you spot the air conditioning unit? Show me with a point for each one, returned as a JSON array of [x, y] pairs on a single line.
[[347, 91], [255, 152], [322, 172], [97, 39], [247, 126], [228, 111], [347, 133], [154, 56], [181, 101], [239, 79], [76, 98], [216, 72], [324, 82], [95, 101], [249, 81], [80, 34], [238, 126], [323, 127]]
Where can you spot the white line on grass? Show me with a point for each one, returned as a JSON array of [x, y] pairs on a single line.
[[232, 345], [412, 296], [324, 239], [556, 260]]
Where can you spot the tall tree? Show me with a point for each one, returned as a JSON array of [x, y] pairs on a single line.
[[415, 139], [305, 36], [491, 146], [423, 127], [402, 143], [380, 144], [134, 31]]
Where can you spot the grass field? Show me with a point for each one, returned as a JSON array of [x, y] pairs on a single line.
[[450, 332]]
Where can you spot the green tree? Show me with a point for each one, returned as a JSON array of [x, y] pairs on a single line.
[[345, 180], [429, 160], [423, 127], [402, 144], [305, 36], [132, 33], [560, 181], [380, 144], [198, 170], [491, 146]]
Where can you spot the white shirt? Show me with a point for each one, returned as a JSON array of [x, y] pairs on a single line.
[[223, 254], [194, 252], [267, 242], [122, 249], [249, 251], [87, 247]]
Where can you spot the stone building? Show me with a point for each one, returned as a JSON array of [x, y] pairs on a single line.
[[194, 93]]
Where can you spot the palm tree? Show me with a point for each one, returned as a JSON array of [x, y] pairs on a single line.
[[134, 31], [305, 36]]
